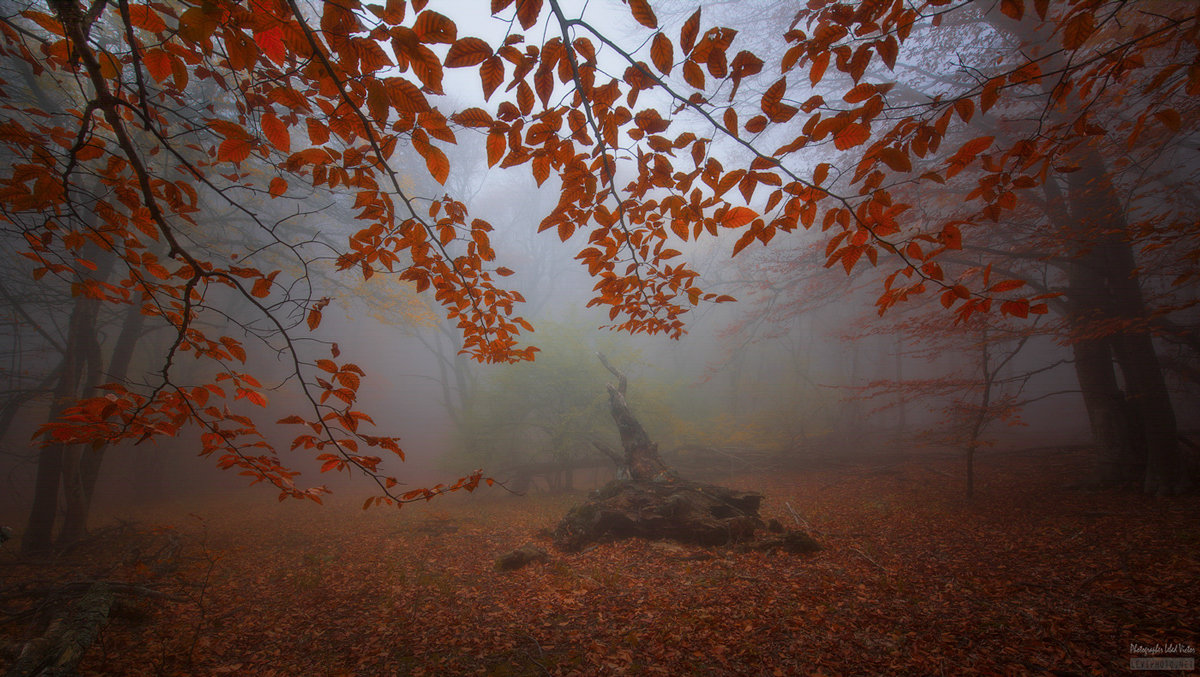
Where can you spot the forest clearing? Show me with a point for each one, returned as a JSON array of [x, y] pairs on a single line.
[[1032, 578], [599, 337]]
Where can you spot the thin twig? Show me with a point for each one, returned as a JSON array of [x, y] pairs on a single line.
[[868, 558]]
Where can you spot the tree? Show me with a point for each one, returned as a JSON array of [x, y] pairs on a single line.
[[1076, 163], [302, 98]]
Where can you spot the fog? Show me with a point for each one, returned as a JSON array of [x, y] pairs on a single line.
[[964, 300], [799, 368]]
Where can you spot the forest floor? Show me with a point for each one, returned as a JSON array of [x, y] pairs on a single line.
[[1030, 578]]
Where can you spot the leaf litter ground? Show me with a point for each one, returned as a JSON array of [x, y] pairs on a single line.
[[1031, 577]]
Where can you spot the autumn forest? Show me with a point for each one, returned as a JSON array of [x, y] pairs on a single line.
[[599, 337]]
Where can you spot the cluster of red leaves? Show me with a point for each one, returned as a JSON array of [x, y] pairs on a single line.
[[1032, 577]]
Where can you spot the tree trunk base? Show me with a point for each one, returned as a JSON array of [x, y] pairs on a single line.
[[682, 511]]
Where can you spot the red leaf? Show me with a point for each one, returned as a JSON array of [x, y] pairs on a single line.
[[270, 42], [1007, 285], [433, 27], [491, 74], [975, 146], [496, 145], [896, 159], [141, 16], [262, 288], [688, 33], [642, 12], [662, 53], [276, 132], [738, 217], [467, 52], [1078, 29], [233, 150], [528, 11], [851, 135]]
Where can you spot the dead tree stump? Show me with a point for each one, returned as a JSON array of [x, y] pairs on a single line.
[[649, 499]]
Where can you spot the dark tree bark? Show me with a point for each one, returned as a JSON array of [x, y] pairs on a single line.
[[641, 460], [1136, 429], [82, 466], [79, 374]]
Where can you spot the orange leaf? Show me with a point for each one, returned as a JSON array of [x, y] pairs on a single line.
[[1170, 118], [262, 288], [1078, 30], [318, 133], [662, 53], [433, 27], [1013, 9], [1019, 308], [437, 163], [467, 52], [642, 12], [491, 74], [896, 159], [495, 147], [1007, 285], [141, 16], [850, 136], [820, 173], [405, 96], [314, 319], [731, 121], [817, 71], [44, 20], [278, 186], [965, 108], [276, 132], [254, 397], [693, 74], [233, 150], [688, 33], [528, 11], [738, 217], [860, 92], [975, 146], [158, 62], [888, 50]]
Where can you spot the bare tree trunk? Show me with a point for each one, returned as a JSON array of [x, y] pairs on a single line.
[[39, 530], [1112, 431], [1151, 415], [82, 466], [985, 401], [641, 460], [1135, 430]]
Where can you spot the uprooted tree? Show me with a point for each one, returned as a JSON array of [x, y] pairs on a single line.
[[648, 499]]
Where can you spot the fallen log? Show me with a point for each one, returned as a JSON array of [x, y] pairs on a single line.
[[67, 638]]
